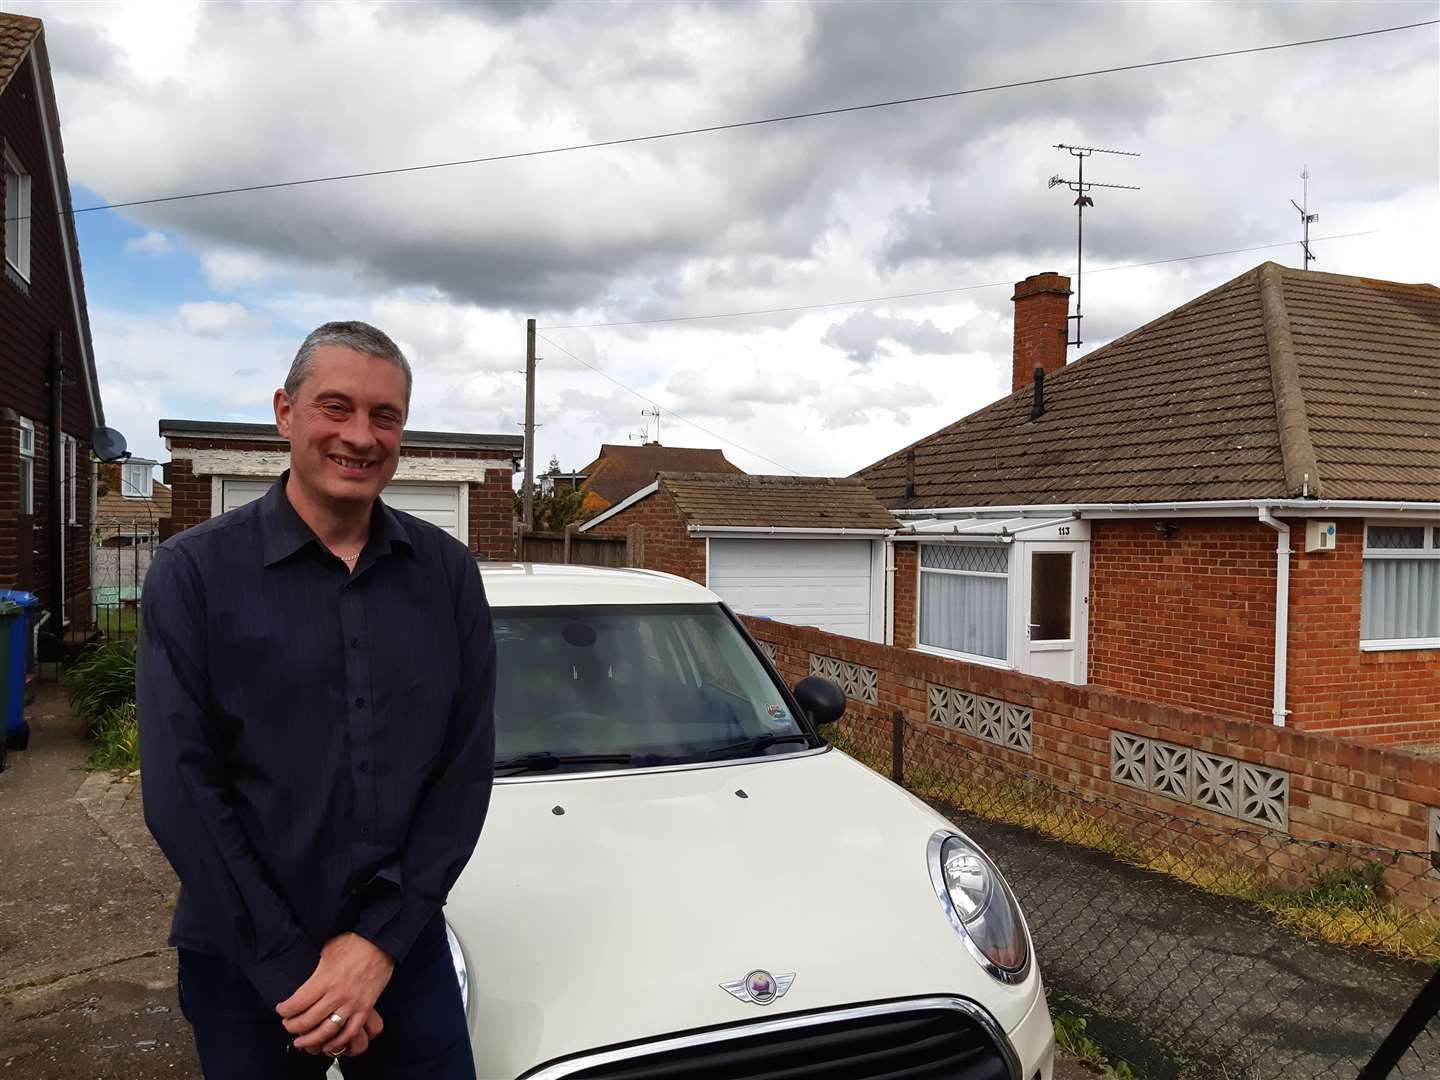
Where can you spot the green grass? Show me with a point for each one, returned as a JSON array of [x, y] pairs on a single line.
[[101, 686], [116, 741], [1070, 1037]]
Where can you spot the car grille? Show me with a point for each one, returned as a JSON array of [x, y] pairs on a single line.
[[938, 1039]]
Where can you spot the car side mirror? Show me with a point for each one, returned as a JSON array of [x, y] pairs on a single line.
[[822, 700]]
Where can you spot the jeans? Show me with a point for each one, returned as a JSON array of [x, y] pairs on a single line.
[[239, 1037]]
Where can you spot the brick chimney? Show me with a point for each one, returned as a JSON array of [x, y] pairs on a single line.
[[1042, 327]]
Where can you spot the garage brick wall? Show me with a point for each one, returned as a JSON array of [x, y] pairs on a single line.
[[490, 504], [668, 545]]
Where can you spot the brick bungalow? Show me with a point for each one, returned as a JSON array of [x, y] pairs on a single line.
[[459, 481], [49, 395], [807, 550], [1234, 508], [622, 470]]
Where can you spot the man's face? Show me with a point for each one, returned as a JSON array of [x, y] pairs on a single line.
[[344, 424]]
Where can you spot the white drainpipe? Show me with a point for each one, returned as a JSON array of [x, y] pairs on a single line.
[[889, 591], [1282, 610]]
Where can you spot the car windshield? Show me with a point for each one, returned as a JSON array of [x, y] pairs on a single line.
[[630, 686]]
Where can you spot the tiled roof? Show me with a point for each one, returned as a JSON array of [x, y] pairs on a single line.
[[1278, 383], [114, 511], [621, 470], [16, 34], [783, 502]]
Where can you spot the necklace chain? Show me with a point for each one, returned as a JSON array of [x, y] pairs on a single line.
[[348, 558]]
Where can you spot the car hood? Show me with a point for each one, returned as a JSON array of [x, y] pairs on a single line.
[[603, 909]]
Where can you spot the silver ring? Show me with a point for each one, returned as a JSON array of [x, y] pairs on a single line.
[[337, 1019]]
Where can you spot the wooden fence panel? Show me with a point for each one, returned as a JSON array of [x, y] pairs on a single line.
[[550, 547]]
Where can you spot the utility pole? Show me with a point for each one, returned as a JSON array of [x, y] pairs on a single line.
[[528, 486], [1082, 200], [1305, 216]]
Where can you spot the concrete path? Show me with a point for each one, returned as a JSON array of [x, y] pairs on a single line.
[[1186, 985], [87, 987]]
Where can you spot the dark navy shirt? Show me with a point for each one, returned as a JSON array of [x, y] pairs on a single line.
[[317, 746]]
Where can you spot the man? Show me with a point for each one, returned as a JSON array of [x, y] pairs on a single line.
[[316, 693]]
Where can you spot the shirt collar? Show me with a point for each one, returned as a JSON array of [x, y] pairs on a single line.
[[285, 532]]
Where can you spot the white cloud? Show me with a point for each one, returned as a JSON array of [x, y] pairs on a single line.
[[212, 318], [153, 242], [933, 196]]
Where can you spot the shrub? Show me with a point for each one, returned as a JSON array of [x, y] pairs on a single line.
[[100, 681]]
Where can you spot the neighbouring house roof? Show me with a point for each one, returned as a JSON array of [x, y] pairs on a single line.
[[781, 502], [17, 34], [1281, 383], [114, 512], [621, 470], [22, 37], [211, 429]]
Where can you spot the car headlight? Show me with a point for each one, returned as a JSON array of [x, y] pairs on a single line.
[[980, 906], [457, 957]]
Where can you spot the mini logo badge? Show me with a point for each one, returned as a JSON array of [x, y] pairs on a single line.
[[759, 987]]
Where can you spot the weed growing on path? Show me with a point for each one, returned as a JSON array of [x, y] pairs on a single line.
[[1070, 1037]]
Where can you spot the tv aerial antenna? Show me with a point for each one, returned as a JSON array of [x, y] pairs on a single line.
[[1081, 187], [643, 436], [1303, 207]]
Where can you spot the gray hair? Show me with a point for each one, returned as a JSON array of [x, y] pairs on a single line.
[[358, 336]]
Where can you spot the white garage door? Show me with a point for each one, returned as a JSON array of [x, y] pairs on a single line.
[[824, 583], [438, 504]]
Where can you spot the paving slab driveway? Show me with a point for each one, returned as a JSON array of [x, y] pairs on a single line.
[[87, 986]]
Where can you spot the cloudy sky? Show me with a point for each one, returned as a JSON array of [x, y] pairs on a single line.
[[197, 305]]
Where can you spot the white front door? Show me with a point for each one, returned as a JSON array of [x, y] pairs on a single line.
[[1052, 602], [829, 584], [441, 504]]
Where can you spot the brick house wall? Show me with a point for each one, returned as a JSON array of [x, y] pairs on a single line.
[[1187, 621], [1337, 791], [489, 504], [668, 546], [1380, 697], [29, 312]]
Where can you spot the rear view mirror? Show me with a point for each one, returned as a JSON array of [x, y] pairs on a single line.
[[822, 700]]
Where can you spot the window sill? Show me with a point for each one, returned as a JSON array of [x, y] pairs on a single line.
[[19, 280], [968, 658], [1400, 645]]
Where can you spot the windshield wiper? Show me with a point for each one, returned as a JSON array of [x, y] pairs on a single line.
[[760, 742], [544, 762]]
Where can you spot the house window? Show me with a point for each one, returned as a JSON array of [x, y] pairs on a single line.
[[27, 466], [17, 217], [1400, 602], [136, 481], [72, 469], [965, 598]]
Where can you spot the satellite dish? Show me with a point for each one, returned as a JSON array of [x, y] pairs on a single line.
[[108, 444]]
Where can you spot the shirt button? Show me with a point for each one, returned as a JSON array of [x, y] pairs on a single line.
[[359, 702], [354, 642]]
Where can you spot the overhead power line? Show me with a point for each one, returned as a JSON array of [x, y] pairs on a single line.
[[1007, 283], [733, 126], [672, 412]]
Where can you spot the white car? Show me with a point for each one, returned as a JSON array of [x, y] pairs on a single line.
[[679, 878]]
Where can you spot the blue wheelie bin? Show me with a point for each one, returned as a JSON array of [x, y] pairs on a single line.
[[9, 613], [16, 643]]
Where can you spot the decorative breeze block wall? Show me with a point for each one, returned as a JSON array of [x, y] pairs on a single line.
[[860, 683], [1212, 782], [768, 649], [998, 722]]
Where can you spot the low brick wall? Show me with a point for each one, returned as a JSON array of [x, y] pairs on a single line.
[[1229, 777]]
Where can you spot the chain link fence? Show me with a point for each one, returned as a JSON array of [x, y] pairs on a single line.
[[1194, 950]]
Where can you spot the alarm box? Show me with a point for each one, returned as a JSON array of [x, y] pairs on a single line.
[[1319, 536]]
